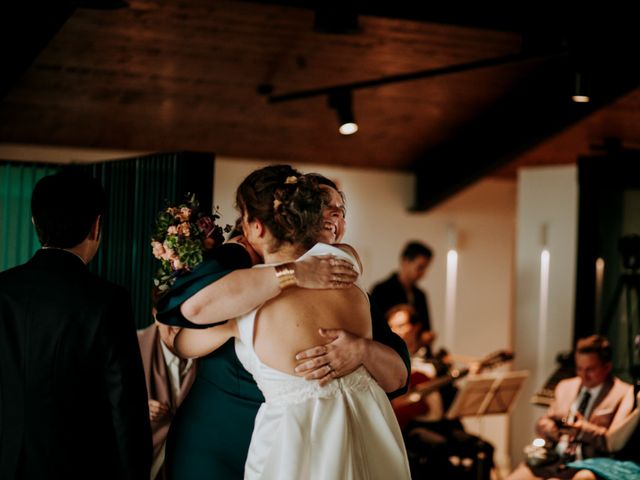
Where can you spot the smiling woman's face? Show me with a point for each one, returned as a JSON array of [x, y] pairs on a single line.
[[333, 221]]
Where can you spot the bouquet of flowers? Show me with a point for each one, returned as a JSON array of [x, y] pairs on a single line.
[[180, 237]]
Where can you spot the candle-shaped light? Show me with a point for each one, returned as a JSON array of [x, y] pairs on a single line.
[[452, 279], [543, 301], [598, 295]]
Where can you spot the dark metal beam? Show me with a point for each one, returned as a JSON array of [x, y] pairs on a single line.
[[535, 110], [418, 75]]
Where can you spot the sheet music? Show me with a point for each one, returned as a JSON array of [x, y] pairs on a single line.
[[490, 393]]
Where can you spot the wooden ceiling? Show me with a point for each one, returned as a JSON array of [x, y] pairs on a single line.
[[168, 76]]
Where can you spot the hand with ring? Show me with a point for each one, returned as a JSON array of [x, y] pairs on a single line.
[[341, 356], [324, 271]]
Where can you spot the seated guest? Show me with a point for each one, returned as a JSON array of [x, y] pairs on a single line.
[[169, 379], [437, 447], [624, 442], [585, 408]]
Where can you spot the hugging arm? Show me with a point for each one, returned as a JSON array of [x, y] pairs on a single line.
[[221, 262], [243, 290], [385, 357], [190, 343], [211, 298]]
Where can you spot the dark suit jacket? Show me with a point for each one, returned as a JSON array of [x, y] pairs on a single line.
[[73, 402], [390, 292]]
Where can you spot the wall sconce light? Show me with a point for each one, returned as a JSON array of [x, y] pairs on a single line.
[[451, 285], [581, 88], [543, 300], [341, 102], [599, 279]]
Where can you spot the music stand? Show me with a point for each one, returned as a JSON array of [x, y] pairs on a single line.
[[489, 393]]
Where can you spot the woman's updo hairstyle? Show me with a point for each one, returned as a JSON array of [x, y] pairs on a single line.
[[288, 203]]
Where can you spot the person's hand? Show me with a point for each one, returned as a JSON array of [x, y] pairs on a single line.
[[341, 356], [324, 271], [548, 429], [168, 335], [575, 426], [157, 410]]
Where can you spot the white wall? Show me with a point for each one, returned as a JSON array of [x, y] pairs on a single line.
[[378, 227], [546, 196]]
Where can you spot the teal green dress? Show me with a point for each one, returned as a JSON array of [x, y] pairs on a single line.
[[210, 434]]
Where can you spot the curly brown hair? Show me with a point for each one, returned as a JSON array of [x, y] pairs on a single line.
[[288, 203]]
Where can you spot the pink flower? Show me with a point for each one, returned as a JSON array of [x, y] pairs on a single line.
[[158, 249], [183, 229], [187, 223], [169, 253], [184, 214]]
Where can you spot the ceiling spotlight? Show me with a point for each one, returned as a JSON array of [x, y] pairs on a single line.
[[341, 102], [581, 88]]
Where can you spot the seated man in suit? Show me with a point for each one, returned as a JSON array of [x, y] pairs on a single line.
[[169, 379], [585, 408], [624, 443]]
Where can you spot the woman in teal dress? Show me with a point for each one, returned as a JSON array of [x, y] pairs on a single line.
[[210, 434]]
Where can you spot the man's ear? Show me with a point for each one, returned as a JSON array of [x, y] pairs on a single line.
[[94, 233]]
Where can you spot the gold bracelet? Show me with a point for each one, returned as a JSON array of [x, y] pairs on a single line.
[[286, 275]]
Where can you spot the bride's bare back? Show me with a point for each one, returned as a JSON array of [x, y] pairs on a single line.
[[289, 323]]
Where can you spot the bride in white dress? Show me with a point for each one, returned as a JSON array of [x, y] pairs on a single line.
[[345, 429]]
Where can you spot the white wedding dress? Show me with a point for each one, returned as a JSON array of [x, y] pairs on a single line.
[[343, 430]]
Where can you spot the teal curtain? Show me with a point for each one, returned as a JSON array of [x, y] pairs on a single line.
[[137, 189], [18, 239]]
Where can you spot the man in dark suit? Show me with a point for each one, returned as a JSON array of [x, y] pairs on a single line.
[[401, 288], [72, 392]]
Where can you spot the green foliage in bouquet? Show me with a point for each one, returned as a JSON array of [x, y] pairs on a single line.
[[181, 236]]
